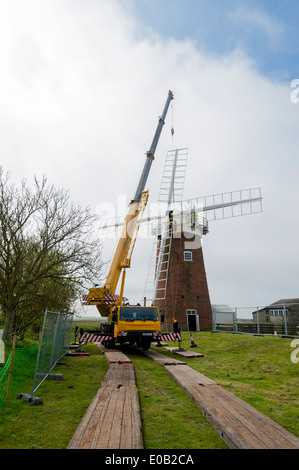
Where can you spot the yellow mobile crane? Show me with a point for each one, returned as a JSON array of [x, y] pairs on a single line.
[[134, 324]]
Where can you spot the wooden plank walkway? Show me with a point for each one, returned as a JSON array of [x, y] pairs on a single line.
[[183, 352], [240, 425], [112, 420], [161, 359], [116, 357]]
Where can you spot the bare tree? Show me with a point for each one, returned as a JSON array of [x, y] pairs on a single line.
[[45, 241]]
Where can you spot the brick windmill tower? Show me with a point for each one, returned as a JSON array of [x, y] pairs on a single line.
[[176, 280]]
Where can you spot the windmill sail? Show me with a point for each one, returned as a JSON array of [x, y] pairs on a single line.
[[226, 205], [213, 207], [173, 177], [188, 215], [184, 217], [171, 193]]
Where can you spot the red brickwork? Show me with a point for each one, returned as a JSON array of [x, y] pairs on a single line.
[[187, 287]]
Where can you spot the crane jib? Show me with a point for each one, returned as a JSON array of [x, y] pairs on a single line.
[[150, 154], [123, 252]]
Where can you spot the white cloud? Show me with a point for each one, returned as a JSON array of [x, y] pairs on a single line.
[[81, 92], [257, 19]]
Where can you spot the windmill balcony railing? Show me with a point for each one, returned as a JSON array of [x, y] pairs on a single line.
[[197, 221]]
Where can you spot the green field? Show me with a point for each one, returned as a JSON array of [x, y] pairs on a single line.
[[257, 369]]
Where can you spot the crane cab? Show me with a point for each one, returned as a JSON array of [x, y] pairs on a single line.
[[133, 324]]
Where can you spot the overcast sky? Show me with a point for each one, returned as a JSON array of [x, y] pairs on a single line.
[[83, 84]]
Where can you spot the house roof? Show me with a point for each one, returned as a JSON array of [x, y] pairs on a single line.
[[280, 303], [222, 309]]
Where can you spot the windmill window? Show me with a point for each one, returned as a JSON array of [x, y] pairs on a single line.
[[187, 255]]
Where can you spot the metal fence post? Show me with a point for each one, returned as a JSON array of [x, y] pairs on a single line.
[[39, 350], [54, 352], [236, 320], [285, 319]]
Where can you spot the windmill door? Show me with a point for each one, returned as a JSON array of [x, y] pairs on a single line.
[[192, 320]]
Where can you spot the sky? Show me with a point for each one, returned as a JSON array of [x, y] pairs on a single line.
[[83, 83]]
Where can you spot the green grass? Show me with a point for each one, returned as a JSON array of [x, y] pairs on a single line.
[[256, 369], [51, 426], [170, 420]]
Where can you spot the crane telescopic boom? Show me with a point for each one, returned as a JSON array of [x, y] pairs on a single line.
[[151, 153], [123, 252]]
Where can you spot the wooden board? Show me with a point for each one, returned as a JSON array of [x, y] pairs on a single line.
[[112, 420], [100, 347], [183, 352], [161, 358], [115, 356], [240, 425]]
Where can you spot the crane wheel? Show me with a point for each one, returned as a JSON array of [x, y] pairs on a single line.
[[144, 344], [110, 344]]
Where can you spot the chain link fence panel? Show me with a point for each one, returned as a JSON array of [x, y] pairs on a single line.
[[54, 344]]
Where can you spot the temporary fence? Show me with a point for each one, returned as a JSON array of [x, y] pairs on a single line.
[[275, 319], [54, 344]]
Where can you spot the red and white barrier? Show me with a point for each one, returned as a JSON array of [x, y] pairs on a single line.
[[170, 337], [93, 338], [99, 338], [108, 299]]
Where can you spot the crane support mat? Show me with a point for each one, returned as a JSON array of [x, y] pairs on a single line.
[[112, 420], [115, 356], [240, 425], [162, 359], [183, 352]]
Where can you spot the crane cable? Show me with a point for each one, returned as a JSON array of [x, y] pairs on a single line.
[[172, 123]]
